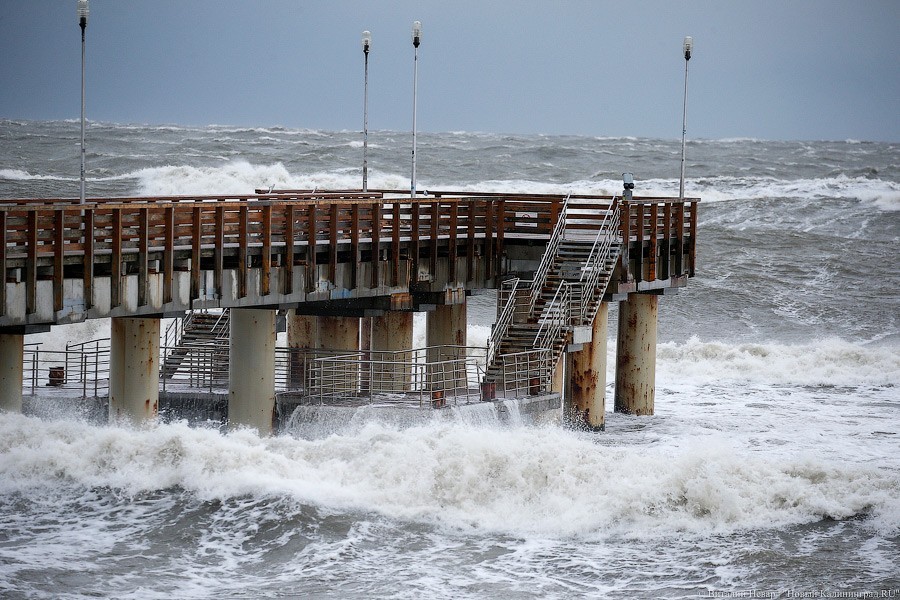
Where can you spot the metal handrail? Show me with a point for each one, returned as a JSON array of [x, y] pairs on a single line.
[[594, 265], [547, 260], [504, 320]]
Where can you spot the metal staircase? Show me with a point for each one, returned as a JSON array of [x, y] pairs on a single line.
[[565, 293], [199, 338]]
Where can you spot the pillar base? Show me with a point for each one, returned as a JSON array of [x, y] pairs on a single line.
[[133, 370]]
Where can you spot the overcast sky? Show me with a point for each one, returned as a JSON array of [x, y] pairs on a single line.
[[771, 69]]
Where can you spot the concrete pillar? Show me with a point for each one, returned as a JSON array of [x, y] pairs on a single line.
[[133, 370], [636, 354], [302, 333], [392, 340], [341, 334], [12, 353], [251, 369], [586, 405], [446, 326]]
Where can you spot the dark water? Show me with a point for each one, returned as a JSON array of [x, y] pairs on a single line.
[[772, 464]]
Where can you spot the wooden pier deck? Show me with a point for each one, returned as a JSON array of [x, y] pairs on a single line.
[[343, 251]]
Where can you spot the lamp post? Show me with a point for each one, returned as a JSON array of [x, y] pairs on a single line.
[[366, 43], [688, 48], [82, 22], [416, 38]]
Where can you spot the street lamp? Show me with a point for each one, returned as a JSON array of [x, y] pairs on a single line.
[[688, 48], [82, 22], [416, 38], [366, 43]]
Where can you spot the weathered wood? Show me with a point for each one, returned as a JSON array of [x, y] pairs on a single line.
[[243, 255], [287, 268], [3, 242], [219, 250], [652, 250], [196, 238], [395, 245], [115, 277], [143, 258], [59, 252], [454, 223], [311, 277], [639, 234], [31, 264], [693, 242], [168, 254], [470, 238], [266, 262], [332, 243], [354, 245], [376, 245]]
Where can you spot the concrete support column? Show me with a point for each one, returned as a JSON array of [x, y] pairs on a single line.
[[392, 340], [302, 333], [341, 334], [133, 370], [251, 369], [636, 354], [446, 326], [586, 404], [12, 353]]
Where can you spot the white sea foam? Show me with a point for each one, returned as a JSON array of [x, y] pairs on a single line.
[[524, 480], [829, 362]]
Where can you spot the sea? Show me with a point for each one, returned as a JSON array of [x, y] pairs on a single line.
[[770, 469]]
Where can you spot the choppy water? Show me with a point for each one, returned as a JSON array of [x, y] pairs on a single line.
[[772, 463]]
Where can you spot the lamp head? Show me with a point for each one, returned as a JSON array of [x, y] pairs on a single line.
[[416, 33], [366, 41], [688, 47], [83, 12], [628, 181]]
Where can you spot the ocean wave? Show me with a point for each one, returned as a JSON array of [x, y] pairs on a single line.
[[19, 175], [829, 362], [519, 481]]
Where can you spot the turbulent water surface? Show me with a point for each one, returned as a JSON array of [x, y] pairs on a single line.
[[772, 464]]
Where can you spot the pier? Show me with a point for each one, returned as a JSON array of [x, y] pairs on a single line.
[[347, 269]]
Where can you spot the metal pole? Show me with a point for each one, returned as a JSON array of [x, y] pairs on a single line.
[[367, 40], [83, 23], [417, 33], [688, 47]]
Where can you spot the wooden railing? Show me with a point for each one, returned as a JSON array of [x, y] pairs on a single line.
[[53, 238]]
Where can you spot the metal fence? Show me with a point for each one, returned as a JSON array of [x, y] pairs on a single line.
[[439, 375]]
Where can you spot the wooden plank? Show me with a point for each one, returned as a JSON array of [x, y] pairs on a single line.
[[653, 235], [414, 250], [376, 245], [288, 267], [31, 264], [679, 239], [332, 242], [196, 239], [489, 241], [266, 264], [433, 236], [395, 245], [168, 254], [311, 276], [115, 278], [143, 247], [354, 246], [243, 256], [501, 225], [625, 224], [470, 246], [639, 255], [219, 250], [59, 248], [693, 246], [454, 223], [3, 242]]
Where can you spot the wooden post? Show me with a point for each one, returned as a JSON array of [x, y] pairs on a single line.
[[266, 258], [454, 223], [376, 244], [143, 250], [311, 275], [115, 277], [31, 264], [243, 256], [288, 267], [168, 254], [2, 263], [395, 245], [218, 250], [59, 247], [196, 233]]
